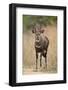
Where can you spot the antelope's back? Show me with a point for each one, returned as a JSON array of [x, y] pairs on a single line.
[[46, 42]]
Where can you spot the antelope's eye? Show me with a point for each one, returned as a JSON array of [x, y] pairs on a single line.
[[42, 31]]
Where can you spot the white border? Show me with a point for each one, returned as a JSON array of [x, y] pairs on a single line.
[[43, 77]]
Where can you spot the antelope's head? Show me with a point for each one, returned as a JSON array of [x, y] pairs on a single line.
[[37, 30]]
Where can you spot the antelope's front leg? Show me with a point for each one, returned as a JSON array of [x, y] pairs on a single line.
[[40, 60], [36, 60]]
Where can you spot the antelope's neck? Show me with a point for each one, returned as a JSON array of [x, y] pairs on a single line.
[[38, 43]]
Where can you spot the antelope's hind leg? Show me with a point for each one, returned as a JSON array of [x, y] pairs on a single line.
[[46, 61], [45, 56]]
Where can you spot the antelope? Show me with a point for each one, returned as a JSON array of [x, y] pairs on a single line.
[[41, 44]]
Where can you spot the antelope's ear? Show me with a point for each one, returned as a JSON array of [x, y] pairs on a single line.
[[33, 30], [42, 31]]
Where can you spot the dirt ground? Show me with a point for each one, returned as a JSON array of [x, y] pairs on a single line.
[[29, 59]]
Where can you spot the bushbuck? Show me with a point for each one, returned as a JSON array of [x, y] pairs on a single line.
[[41, 44]]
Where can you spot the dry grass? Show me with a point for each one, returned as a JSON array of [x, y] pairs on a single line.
[[29, 64]]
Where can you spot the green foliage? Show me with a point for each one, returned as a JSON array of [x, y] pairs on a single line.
[[30, 20]]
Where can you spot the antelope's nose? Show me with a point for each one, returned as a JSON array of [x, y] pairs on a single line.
[[37, 38]]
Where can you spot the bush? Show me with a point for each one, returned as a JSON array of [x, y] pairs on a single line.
[[30, 20]]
